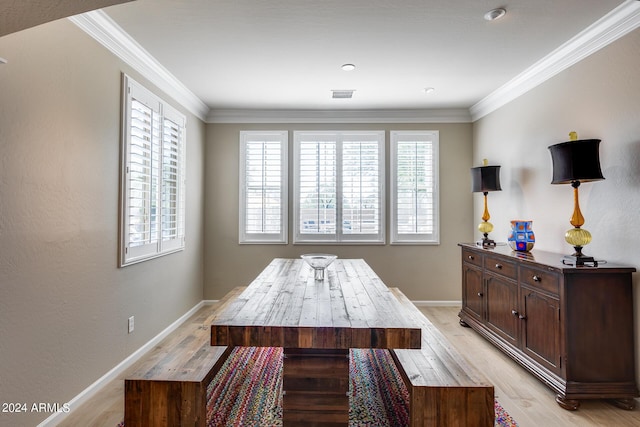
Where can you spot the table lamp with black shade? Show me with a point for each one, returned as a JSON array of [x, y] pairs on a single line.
[[483, 180], [574, 162]]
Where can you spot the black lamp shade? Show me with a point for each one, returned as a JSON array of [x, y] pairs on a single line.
[[576, 161], [485, 178]]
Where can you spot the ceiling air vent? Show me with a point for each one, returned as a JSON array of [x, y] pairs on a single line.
[[342, 94]]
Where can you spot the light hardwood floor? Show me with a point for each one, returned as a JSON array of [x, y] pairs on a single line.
[[529, 402], [526, 399]]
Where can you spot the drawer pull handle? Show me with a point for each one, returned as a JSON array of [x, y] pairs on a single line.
[[518, 315], [536, 278], [480, 294], [499, 266], [470, 257]]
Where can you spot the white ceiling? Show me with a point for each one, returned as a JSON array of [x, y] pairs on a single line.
[[286, 54]]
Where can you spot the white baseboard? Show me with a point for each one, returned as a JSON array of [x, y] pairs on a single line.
[[113, 374], [437, 303], [91, 391]]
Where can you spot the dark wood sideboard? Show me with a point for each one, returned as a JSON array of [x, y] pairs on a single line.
[[571, 327]]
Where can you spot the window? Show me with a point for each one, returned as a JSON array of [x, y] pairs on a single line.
[[414, 187], [152, 185], [339, 187], [263, 187]]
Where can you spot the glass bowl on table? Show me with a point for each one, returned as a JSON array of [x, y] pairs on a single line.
[[319, 262]]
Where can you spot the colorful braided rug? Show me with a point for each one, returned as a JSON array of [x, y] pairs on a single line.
[[247, 391]]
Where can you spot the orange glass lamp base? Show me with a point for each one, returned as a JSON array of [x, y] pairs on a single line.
[[485, 227], [578, 237]]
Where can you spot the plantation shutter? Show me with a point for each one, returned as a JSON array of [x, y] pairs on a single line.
[[263, 187], [339, 195], [317, 187], [153, 199], [173, 197], [141, 172], [415, 191], [361, 187]]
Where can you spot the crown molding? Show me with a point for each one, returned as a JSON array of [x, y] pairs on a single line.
[[620, 21], [460, 115], [104, 30]]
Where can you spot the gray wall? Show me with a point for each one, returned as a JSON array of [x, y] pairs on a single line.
[[422, 272], [64, 303], [598, 98]]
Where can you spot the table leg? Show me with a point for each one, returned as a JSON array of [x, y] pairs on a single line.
[[316, 385]]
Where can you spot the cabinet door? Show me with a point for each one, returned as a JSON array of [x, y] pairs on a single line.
[[541, 328], [502, 306], [472, 291]]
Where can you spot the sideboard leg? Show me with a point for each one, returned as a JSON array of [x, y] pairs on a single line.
[[568, 404], [463, 323], [628, 404]]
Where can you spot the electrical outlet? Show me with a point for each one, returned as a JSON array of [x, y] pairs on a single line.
[[131, 323]]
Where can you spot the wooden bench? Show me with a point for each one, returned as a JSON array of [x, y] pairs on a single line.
[[444, 390], [169, 387], [172, 392]]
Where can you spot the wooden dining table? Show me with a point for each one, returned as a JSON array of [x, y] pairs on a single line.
[[316, 322]]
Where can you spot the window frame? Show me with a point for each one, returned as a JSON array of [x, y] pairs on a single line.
[[159, 245], [246, 237], [398, 238], [339, 237]]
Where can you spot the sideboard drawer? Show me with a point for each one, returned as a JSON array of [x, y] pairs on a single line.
[[500, 266], [541, 279], [472, 257]]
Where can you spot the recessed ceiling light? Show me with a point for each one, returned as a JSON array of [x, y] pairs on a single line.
[[494, 14], [428, 90], [348, 67]]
